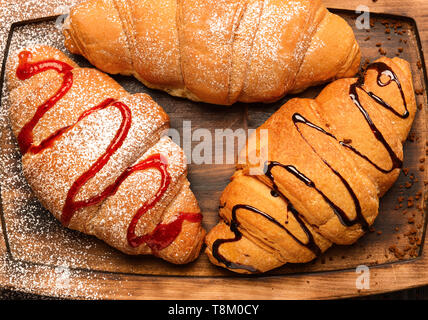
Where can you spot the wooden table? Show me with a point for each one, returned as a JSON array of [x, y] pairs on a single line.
[[416, 9], [11, 11]]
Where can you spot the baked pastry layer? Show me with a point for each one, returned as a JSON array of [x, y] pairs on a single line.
[[220, 51], [96, 158], [328, 161]]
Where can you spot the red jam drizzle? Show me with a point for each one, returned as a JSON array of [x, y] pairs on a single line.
[[164, 234], [25, 71]]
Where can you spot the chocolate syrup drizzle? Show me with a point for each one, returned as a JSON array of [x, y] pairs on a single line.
[[382, 69]]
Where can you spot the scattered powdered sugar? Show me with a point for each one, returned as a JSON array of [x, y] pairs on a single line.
[[43, 256], [219, 52], [42, 253], [63, 277], [62, 281]]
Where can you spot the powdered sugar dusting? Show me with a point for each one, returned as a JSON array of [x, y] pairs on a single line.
[[214, 51], [39, 244]]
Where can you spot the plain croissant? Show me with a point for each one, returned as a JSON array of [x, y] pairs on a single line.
[[329, 161], [218, 52], [95, 157]]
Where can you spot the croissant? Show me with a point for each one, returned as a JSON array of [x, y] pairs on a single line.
[[328, 161], [218, 52], [96, 158]]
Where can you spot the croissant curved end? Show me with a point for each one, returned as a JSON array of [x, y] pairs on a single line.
[[69, 42]]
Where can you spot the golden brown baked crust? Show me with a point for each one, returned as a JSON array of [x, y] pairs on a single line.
[[220, 51], [329, 160], [52, 172]]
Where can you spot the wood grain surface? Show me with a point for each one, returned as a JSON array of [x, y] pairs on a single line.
[[416, 9], [389, 271]]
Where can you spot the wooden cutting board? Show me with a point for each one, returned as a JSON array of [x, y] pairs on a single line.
[[38, 255]]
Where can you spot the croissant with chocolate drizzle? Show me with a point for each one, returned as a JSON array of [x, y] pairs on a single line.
[[329, 160], [220, 51], [96, 158]]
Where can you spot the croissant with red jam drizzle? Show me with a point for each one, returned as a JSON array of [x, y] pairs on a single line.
[[329, 160], [96, 158]]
